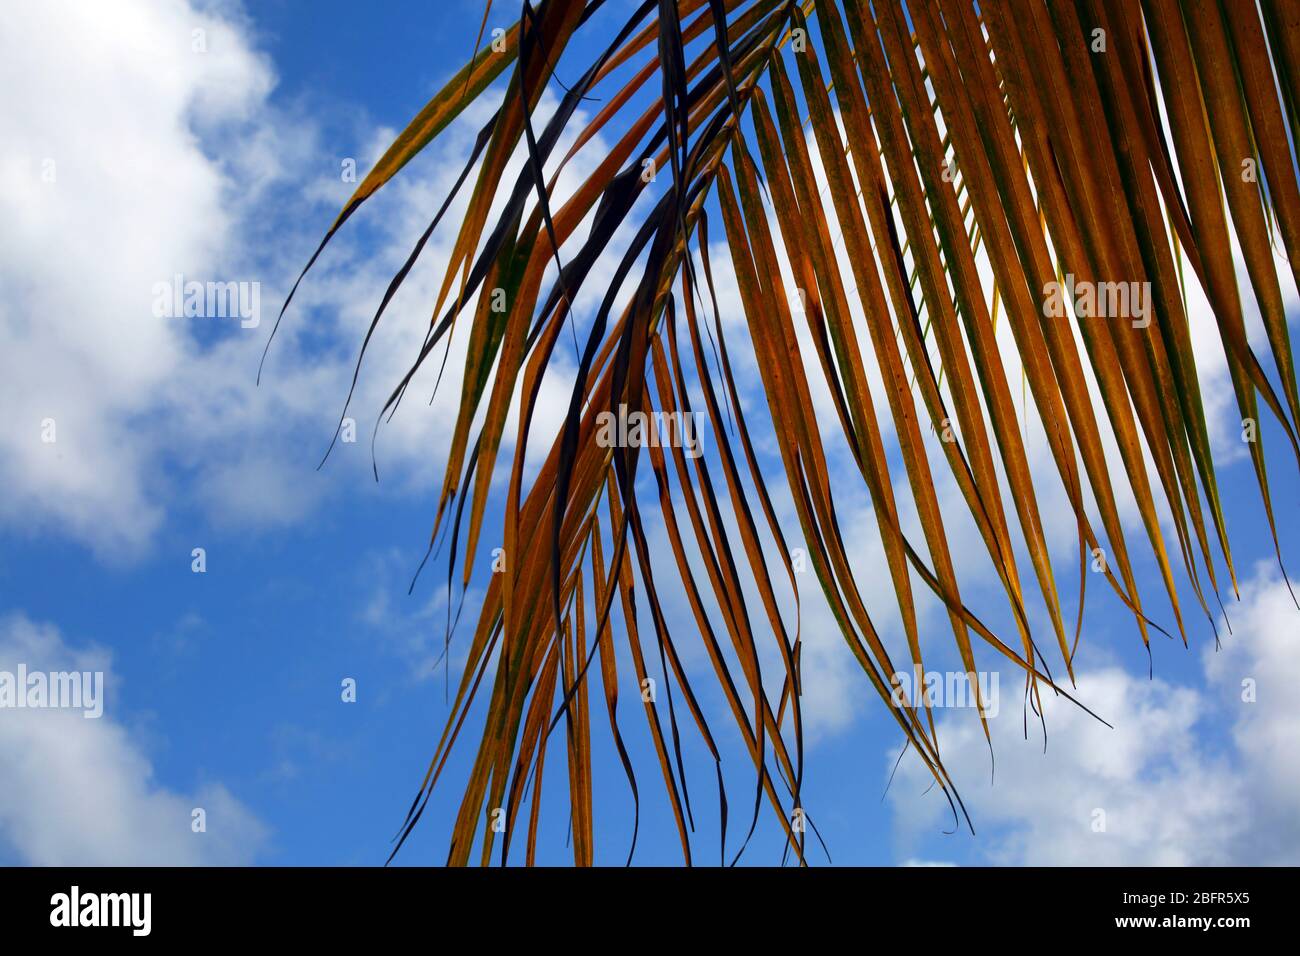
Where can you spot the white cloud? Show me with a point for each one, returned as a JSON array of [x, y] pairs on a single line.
[[166, 161], [1172, 791], [81, 792], [105, 191], [1265, 732]]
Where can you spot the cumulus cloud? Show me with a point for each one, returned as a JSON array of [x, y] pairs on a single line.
[[1161, 788], [81, 792], [149, 146], [1253, 682], [105, 190]]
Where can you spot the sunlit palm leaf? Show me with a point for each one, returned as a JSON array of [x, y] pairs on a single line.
[[1031, 134]]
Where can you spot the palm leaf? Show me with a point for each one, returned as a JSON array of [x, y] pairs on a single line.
[[933, 136]]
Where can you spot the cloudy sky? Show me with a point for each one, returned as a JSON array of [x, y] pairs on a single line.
[[145, 139]]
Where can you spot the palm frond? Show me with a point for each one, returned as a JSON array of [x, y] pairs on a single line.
[[1029, 136]]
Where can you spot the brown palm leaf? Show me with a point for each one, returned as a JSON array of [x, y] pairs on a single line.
[[1029, 133]]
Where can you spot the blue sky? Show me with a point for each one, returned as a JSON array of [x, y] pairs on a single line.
[[223, 688]]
